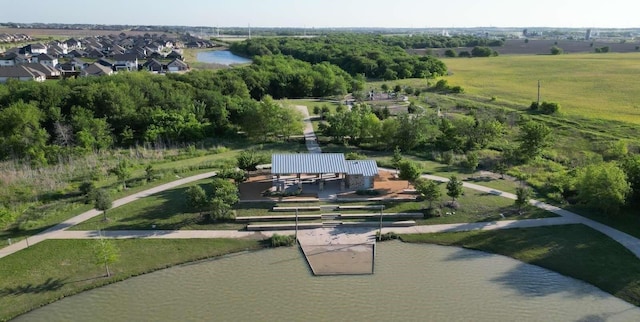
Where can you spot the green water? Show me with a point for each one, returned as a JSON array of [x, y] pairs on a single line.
[[411, 283]]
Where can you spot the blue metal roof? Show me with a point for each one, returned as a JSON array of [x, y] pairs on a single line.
[[367, 168], [311, 163]]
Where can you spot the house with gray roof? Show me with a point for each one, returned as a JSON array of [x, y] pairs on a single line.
[[96, 69], [21, 73], [45, 59], [177, 65]]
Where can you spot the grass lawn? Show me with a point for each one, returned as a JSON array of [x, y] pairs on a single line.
[[166, 210], [572, 250], [592, 85], [66, 267]]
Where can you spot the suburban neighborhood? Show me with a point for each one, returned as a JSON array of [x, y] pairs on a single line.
[[94, 56]]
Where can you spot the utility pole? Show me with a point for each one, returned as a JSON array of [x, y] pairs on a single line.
[[538, 93], [296, 225]]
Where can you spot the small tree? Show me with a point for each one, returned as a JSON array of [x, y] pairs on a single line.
[[219, 210], [429, 190], [409, 171], [249, 159], [555, 50], [384, 87], [196, 198], [87, 189], [324, 111], [106, 253], [397, 89], [397, 157], [472, 161], [448, 157], [501, 168], [149, 173], [103, 201], [523, 194], [123, 171], [316, 110], [454, 188]]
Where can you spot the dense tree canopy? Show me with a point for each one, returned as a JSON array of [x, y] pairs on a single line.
[[368, 55]]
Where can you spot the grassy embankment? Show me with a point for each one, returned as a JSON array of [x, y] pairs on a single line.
[[168, 210], [67, 267], [56, 189], [572, 250]]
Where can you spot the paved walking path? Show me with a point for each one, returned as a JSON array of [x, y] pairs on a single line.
[[566, 217], [51, 232], [309, 135]]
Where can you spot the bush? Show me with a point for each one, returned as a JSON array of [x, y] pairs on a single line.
[[387, 236], [555, 50], [282, 240], [549, 107], [355, 156], [367, 192]]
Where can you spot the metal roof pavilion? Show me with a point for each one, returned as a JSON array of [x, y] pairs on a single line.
[[310, 163], [367, 168]]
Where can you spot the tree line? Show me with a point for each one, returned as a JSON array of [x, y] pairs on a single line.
[[371, 56], [42, 121]]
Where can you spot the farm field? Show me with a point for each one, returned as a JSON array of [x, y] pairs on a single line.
[[600, 86]]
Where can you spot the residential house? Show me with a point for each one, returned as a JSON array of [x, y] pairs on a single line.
[[73, 44], [96, 69], [8, 59], [21, 72], [177, 65], [153, 65], [77, 53], [126, 62], [174, 55], [45, 59], [106, 63], [49, 72], [35, 49]]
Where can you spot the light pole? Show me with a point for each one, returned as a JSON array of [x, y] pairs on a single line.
[[380, 232], [296, 225]]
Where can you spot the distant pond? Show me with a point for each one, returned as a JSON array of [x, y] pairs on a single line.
[[222, 57]]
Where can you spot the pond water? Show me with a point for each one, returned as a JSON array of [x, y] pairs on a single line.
[[411, 282], [223, 57]]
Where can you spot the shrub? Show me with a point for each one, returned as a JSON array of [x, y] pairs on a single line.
[[367, 192], [549, 107], [387, 236], [555, 50], [282, 240], [355, 156]]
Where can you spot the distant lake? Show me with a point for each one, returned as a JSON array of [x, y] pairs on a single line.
[[222, 57]]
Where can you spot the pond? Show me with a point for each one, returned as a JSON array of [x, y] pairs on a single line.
[[411, 282], [223, 57]]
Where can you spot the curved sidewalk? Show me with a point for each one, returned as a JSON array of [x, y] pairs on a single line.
[[51, 232]]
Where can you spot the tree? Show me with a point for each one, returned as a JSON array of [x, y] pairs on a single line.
[[384, 87], [219, 210], [603, 186], [409, 171], [123, 171], [472, 161], [103, 202], [106, 253], [555, 50], [396, 158], [150, 173], [450, 53], [534, 137], [196, 198], [249, 159], [523, 194], [316, 110], [501, 168], [87, 189], [225, 190], [454, 188], [429, 190], [631, 167]]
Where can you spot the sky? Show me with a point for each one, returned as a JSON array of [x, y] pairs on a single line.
[[330, 13]]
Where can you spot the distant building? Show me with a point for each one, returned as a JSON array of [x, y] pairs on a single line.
[[22, 73], [588, 35]]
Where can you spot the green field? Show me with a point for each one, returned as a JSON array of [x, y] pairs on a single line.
[[572, 250], [601, 86]]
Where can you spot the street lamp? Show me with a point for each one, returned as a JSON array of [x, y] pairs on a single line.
[[380, 232]]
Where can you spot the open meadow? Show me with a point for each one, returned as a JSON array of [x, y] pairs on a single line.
[[600, 86]]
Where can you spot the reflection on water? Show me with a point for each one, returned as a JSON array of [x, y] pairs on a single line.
[[223, 57], [411, 282]]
